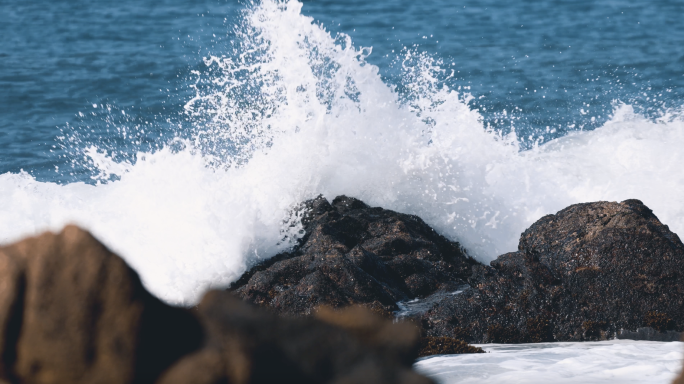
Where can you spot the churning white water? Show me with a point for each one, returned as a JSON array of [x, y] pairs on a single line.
[[297, 113], [604, 362]]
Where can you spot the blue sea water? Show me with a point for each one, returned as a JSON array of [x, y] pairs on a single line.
[[182, 134], [58, 58], [541, 66]]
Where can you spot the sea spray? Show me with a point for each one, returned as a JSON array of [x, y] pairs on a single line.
[[294, 112]]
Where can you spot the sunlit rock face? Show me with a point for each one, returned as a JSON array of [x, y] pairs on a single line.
[[592, 271]]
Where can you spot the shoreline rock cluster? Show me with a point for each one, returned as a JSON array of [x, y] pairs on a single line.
[[593, 271], [363, 293]]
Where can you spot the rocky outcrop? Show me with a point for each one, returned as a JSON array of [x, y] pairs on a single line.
[[354, 254], [73, 312], [591, 271]]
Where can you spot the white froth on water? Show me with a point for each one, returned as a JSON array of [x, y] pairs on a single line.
[[297, 113], [606, 362]]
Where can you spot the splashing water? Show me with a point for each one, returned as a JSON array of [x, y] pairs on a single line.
[[294, 112]]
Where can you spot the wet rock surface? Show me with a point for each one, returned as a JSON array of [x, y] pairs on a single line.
[[430, 346], [648, 333], [73, 312], [354, 254], [680, 378], [589, 272]]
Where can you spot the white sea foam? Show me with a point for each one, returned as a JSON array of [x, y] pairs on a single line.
[[296, 113], [619, 361]]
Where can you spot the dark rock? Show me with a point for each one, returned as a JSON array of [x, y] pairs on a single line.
[[73, 312], [586, 273], [648, 333], [445, 346], [354, 254], [247, 344]]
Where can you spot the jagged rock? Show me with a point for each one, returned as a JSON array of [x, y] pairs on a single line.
[[73, 312], [586, 273], [354, 254]]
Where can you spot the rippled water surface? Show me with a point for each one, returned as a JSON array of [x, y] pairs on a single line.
[[530, 64]]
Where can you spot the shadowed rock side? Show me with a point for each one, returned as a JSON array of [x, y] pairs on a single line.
[[586, 273], [354, 254], [247, 344], [73, 312]]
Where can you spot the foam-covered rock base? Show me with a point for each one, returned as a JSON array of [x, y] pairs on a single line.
[[73, 312]]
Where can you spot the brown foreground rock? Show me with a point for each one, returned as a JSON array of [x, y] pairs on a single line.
[[73, 312], [589, 272], [354, 254]]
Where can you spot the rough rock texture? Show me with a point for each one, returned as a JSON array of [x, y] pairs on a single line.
[[354, 254], [73, 312], [585, 273]]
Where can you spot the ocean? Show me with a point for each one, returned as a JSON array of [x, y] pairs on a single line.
[[182, 134]]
